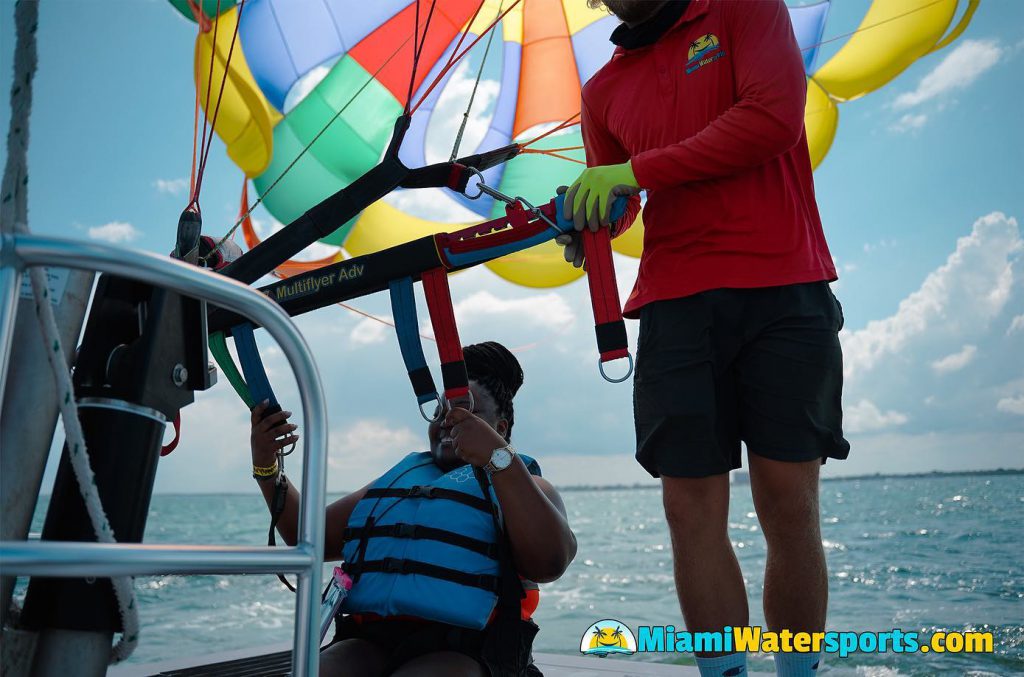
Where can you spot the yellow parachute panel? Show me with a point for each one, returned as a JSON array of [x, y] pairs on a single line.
[[631, 243], [893, 35], [578, 15], [821, 118], [541, 266], [369, 236], [245, 118]]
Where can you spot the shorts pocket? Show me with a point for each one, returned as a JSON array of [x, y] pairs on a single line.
[[839, 309]]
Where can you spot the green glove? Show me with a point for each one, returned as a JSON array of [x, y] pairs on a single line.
[[591, 195]]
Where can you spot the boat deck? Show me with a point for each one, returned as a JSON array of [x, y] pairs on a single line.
[[246, 664]]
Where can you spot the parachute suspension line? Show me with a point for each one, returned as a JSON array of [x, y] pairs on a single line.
[[208, 142], [417, 48], [199, 15], [195, 136], [415, 52], [242, 217], [370, 316], [552, 153], [462, 35], [568, 122], [193, 200], [472, 94], [552, 150], [457, 56], [14, 213]]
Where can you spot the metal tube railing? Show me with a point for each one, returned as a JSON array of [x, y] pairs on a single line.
[[10, 287], [59, 558], [24, 558]]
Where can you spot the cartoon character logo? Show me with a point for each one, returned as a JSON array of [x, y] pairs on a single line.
[[607, 637], [703, 51]]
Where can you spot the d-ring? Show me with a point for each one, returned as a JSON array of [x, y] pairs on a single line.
[[440, 410], [629, 372]]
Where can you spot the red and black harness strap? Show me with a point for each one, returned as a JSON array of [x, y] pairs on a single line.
[[446, 333], [604, 296]]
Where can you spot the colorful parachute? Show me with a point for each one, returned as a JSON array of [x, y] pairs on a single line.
[[338, 71]]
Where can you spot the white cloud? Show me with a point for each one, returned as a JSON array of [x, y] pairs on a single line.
[[1011, 405], [909, 123], [306, 84], [865, 416], [366, 449], [958, 70], [550, 311], [116, 232], [955, 361], [881, 244], [1017, 324], [963, 295], [433, 204], [370, 331], [171, 186], [451, 106]]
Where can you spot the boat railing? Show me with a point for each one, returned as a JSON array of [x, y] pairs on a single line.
[[66, 559]]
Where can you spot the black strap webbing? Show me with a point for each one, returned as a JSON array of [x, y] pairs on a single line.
[[421, 532], [431, 492], [276, 509], [395, 565]]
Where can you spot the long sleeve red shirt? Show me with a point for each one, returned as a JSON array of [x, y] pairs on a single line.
[[712, 117]]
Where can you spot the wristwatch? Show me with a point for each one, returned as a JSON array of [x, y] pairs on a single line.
[[501, 458]]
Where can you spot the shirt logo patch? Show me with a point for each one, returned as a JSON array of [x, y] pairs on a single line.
[[704, 50]]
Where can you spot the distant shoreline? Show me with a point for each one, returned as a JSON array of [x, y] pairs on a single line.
[[655, 485], [843, 478]]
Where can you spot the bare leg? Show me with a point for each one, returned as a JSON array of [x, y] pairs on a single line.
[[708, 578], [795, 577], [353, 657], [441, 664]]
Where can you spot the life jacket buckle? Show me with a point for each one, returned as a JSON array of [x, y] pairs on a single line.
[[393, 565], [419, 491], [406, 530]]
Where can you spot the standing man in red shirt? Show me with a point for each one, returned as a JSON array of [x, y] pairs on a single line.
[[702, 106]]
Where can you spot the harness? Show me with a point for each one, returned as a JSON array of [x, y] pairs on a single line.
[[428, 260]]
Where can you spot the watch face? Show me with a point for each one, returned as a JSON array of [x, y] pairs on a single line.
[[501, 458]]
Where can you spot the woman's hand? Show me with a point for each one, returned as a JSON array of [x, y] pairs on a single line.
[[270, 435], [473, 438]]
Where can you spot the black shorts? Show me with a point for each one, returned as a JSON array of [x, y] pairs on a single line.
[[403, 640], [762, 366]]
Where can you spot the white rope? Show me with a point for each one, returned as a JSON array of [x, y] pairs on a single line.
[[14, 216]]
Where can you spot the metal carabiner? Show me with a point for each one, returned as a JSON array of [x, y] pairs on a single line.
[[538, 213], [485, 189]]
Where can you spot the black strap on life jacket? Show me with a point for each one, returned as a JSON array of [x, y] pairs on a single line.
[[418, 491], [276, 510], [397, 565], [422, 532]]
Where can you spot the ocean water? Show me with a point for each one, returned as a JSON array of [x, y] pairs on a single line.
[[919, 554]]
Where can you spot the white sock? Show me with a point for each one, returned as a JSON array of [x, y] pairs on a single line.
[[729, 665], [794, 664]]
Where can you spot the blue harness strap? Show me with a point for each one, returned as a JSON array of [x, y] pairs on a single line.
[[252, 367], [403, 306]]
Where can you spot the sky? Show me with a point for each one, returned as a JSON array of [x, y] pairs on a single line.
[[921, 200]]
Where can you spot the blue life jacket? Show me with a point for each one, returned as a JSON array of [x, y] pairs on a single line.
[[422, 542]]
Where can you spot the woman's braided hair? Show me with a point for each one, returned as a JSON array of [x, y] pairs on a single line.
[[497, 370]]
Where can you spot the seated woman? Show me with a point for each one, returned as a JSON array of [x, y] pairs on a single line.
[[446, 548]]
